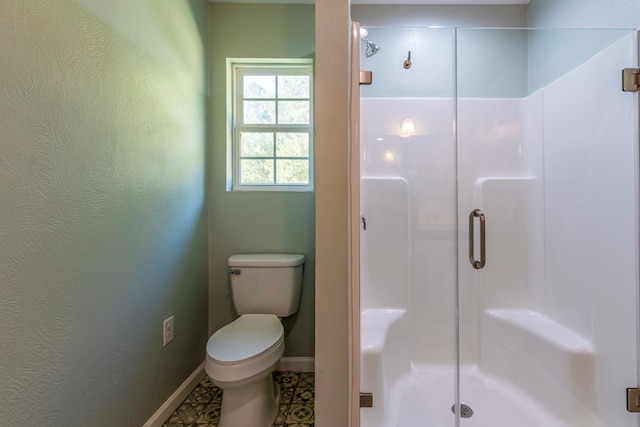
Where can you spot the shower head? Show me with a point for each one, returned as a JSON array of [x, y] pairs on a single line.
[[371, 49]]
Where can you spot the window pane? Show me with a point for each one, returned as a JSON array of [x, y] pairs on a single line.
[[292, 171], [256, 171], [259, 86], [254, 144], [292, 145], [259, 112], [293, 112], [293, 86]]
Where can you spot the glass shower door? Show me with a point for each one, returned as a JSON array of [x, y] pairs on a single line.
[[407, 235], [547, 187]]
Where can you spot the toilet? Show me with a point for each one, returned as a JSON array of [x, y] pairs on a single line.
[[242, 355]]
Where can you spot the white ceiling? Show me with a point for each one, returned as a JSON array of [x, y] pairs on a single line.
[[440, 2], [398, 2]]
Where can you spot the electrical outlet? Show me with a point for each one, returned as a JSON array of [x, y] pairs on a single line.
[[167, 331]]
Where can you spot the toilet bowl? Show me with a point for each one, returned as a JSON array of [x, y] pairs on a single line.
[[240, 359], [242, 355]]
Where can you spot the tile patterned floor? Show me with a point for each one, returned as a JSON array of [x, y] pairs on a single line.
[[202, 407]]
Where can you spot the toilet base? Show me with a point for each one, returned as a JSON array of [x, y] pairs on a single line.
[[255, 404]]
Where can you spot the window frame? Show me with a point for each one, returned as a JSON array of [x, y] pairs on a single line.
[[237, 69]]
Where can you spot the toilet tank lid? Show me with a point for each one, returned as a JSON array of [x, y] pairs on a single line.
[[265, 260]]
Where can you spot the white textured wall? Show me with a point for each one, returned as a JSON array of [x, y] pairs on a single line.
[[102, 212]]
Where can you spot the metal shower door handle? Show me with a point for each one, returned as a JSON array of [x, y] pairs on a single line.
[[477, 213]]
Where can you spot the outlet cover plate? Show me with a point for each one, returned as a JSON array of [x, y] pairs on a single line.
[[167, 331]]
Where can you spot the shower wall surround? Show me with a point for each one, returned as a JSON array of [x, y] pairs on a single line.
[[103, 219], [559, 192]]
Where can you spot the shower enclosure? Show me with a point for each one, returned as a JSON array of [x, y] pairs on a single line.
[[499, 231]]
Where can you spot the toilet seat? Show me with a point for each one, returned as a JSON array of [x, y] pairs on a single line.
[[245, 347]]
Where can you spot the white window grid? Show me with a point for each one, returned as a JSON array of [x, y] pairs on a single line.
[[241, 70]]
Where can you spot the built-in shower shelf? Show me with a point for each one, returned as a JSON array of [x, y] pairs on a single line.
[[374, 327], [531, 325], [539, 345], [385, 350]]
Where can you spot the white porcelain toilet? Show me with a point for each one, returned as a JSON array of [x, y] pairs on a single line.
[[242, 355]]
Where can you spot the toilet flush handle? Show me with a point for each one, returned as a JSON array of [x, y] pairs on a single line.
[[234, 271]]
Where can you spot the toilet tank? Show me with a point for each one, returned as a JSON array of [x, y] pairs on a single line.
[[266, 283]]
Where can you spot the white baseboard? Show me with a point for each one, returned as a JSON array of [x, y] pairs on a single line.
[[298, 364], [178, 396]]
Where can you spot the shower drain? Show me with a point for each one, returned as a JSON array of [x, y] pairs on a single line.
[[465, 410]]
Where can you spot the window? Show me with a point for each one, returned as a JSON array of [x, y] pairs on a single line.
[[272, 138]]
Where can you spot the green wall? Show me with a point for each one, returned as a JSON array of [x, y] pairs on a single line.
[[103, 219], [258, 222]]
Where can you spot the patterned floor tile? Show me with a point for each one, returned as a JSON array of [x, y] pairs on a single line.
[[286, 395], [187, 413], [300, 414], [286, 379], [202, 407], [303, 396], [281, 417], [206, 382], [210, 416], [201, 394], [306, 380]]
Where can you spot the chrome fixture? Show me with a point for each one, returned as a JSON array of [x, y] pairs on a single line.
[[407, 63], [366, 400], [366, 77], [465, 410], [370, 48], [631, 79], [633, 399], [477, 213]]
